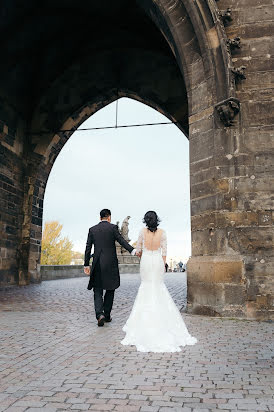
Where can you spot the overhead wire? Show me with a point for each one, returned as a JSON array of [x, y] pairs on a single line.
[[101, 128], [116, 126]]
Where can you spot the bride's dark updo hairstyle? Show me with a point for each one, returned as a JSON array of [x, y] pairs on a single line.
[[151, 220]]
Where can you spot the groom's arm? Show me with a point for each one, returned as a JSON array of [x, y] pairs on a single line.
[[88, 248], [121, 240]]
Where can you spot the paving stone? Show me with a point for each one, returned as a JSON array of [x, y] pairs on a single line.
[[80, 406], [128, 408], [28, 404], [104, 407], [118, 401], [74, 365], [138, 397], [174, 409], [15, 409], [45, 409], [113, 395], [60, 406]]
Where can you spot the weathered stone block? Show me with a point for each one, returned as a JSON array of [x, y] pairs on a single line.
[[254, 183], [266, 218], [262, 270], [262, 301], [244, 4], [197, 75], [216, 269], [208, 294], [201, 147], [209, 187], [203, 221], [250, 31], [204, 164], [236, 219], [247, 241], [199, 126], [235, 294], [253, 113], [203, 243], [207, 204], [257, 140], [197, 100], [255, 201], [255, 311]]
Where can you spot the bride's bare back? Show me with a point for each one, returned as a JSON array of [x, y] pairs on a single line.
[[152, 241], [155, 323]]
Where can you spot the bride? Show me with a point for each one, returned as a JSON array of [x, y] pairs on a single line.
[[155, 324]]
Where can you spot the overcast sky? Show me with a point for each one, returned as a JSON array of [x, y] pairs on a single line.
[[129, 171]]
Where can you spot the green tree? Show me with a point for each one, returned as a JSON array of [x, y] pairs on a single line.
[[56, 250]]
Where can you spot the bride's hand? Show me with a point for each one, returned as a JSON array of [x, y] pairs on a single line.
[[87, 270]]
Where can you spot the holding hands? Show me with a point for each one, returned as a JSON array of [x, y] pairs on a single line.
[[87, 270]]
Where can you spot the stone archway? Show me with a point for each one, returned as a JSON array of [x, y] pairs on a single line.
[[180, 64]]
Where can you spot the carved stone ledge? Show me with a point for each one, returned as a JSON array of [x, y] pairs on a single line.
[[227, 110], [238, 73], [225, 16]]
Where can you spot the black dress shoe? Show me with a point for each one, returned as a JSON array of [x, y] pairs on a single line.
[[101, 320], [108, 319]]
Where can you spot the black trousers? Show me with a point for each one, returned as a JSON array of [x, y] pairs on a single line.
[[103, 305]]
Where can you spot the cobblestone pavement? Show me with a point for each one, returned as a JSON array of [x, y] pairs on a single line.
[[54, 357]]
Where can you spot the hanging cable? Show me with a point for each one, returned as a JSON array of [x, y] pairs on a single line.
[[116, 120], [104, 127], [73, 130], [80, 129]]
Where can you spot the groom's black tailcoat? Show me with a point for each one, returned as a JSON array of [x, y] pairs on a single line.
[[103, 237]]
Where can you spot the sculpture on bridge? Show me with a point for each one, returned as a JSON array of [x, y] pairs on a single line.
[[124, 228], [124, 257]]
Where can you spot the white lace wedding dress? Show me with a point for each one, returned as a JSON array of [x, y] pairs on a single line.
[[155, 323]]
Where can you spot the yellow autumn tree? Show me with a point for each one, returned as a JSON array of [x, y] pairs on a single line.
[[56, 250]]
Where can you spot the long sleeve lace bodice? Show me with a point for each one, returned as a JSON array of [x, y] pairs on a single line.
[[164, 243], [152, 241], [167, 332]]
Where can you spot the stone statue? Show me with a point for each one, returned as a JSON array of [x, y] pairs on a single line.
[[117, 224], [234, 43], [127, 262], [225, 16], [239, 73], [227, 110], [124, 229]]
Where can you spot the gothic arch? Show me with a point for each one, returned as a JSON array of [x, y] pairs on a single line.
[[70, 58], [193, 60]]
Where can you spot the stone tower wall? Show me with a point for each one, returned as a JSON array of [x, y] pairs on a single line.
[[220, 95]]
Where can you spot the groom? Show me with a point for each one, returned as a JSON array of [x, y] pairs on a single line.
[[104, 273]]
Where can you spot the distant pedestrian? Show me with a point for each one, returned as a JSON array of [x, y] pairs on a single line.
[[166, 266]]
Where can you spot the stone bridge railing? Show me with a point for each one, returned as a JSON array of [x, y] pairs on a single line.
[[52, 272]]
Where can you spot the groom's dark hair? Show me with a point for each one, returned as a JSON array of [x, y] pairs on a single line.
[[105, 213]]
